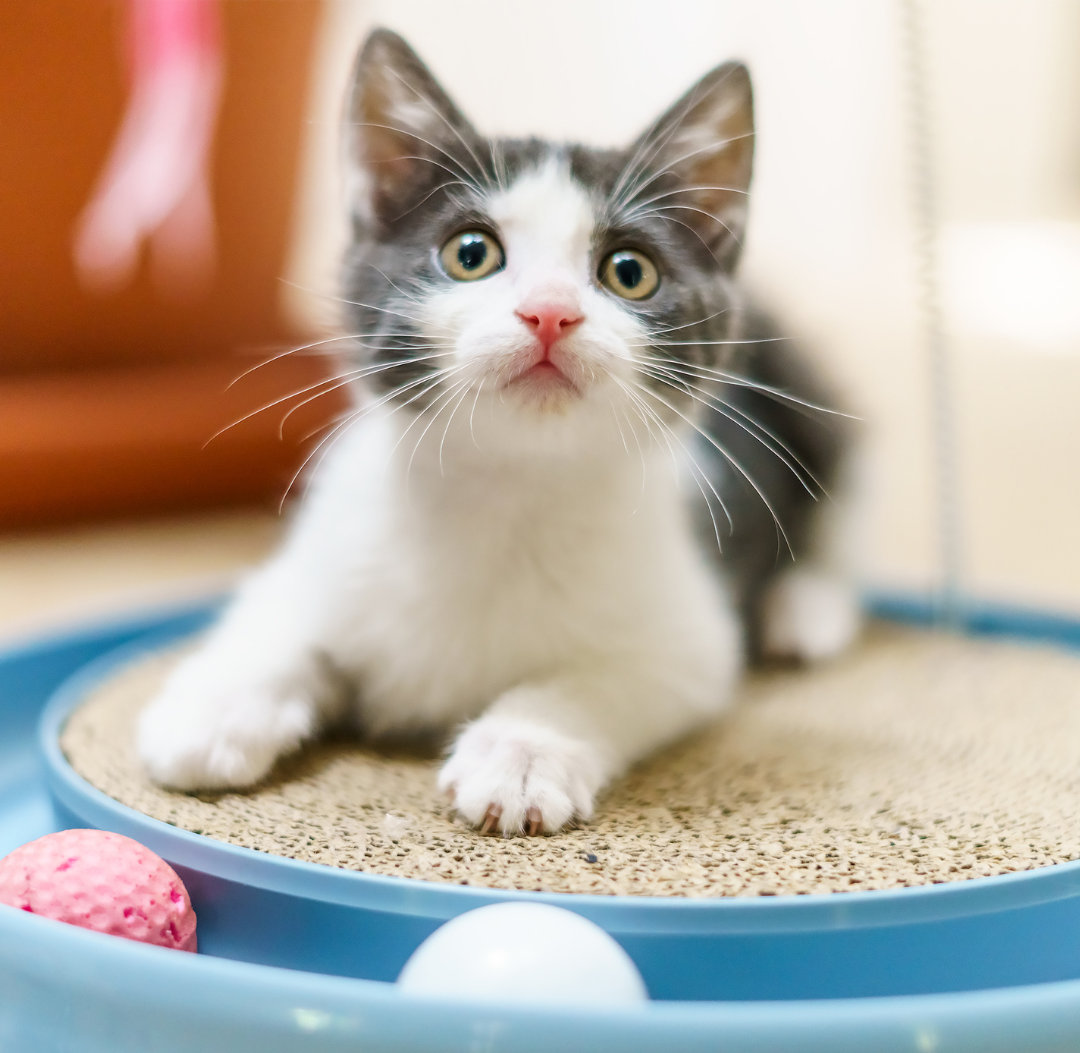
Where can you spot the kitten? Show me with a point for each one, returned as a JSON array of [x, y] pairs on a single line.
[[553, 367]]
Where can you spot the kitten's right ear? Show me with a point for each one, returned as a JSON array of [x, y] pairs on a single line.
[[403, 134]]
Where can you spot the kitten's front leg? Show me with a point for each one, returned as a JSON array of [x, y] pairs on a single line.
[[536, 759], [215, 726], [255, 691]]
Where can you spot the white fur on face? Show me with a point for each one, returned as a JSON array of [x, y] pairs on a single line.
[[545, 222]]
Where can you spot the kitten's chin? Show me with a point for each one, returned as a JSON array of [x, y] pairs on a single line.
[[543, 386]]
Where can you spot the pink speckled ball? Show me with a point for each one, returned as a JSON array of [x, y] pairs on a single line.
[[100, 881]]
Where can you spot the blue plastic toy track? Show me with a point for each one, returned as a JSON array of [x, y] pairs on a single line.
[[1000, 955]]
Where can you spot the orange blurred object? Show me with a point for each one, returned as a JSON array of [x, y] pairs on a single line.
[[77, 445], [155, 185], [107, 400]]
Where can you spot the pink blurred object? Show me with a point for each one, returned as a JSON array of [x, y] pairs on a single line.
[[101, 881], [155, 183]]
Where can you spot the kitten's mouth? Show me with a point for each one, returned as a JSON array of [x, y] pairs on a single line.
[[546, 369], [544, 376]]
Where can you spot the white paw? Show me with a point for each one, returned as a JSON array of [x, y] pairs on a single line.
[[203, 735], [515, 776], [809, 616]]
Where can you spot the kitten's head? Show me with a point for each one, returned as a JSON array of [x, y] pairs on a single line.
[[557, 281]]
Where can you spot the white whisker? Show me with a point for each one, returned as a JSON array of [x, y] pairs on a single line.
[[736, 380], [733, 461], [751, 427], [709, 343], [441, 401], [696, 472], [472, 412], [449, 420], [688, 325]]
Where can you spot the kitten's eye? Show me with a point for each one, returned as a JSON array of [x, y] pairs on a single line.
[[472, 255], [630, 274]]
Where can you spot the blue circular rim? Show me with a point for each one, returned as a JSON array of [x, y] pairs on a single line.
[[116, 995], [413, 896], [237, 999]]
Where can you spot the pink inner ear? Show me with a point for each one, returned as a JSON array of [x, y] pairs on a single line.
[[392, 154], [406, 132]]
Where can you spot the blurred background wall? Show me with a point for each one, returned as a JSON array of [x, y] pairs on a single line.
[[105, 402]]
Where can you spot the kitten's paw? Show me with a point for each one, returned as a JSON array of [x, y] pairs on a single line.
[[808, 616], [513, 776], [218, 738]]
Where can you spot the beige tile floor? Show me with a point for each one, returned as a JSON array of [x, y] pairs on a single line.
[[52, 577]]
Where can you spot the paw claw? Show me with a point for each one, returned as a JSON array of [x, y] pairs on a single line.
[[515, 777], [491, 819]]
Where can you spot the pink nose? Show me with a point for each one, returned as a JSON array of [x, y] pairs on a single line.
[[549, 318]]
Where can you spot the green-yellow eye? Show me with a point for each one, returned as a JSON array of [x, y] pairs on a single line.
[[630, 274], [471, 255]]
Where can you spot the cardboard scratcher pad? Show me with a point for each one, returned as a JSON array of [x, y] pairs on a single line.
[[917, 758]]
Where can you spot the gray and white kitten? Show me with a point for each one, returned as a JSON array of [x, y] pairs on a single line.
[[576, 490]]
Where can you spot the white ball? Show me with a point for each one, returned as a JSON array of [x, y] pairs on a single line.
[[523, 952]]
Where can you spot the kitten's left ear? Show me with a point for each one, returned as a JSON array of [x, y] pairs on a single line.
[[403, 134], [706, 142]]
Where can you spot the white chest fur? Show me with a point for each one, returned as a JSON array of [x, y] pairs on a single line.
[[558, 594], [448, 584]]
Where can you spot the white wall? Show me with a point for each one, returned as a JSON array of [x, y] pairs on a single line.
[[830, 242]]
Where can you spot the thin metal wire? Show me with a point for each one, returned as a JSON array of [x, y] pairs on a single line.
[[949, 599]]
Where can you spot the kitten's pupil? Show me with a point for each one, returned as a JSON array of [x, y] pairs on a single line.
[[472, 251], [628, 271]]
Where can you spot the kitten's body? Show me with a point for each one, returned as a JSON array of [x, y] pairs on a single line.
[[512, 539]]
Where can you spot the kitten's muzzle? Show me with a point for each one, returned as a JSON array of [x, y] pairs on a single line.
[[548, 319]]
